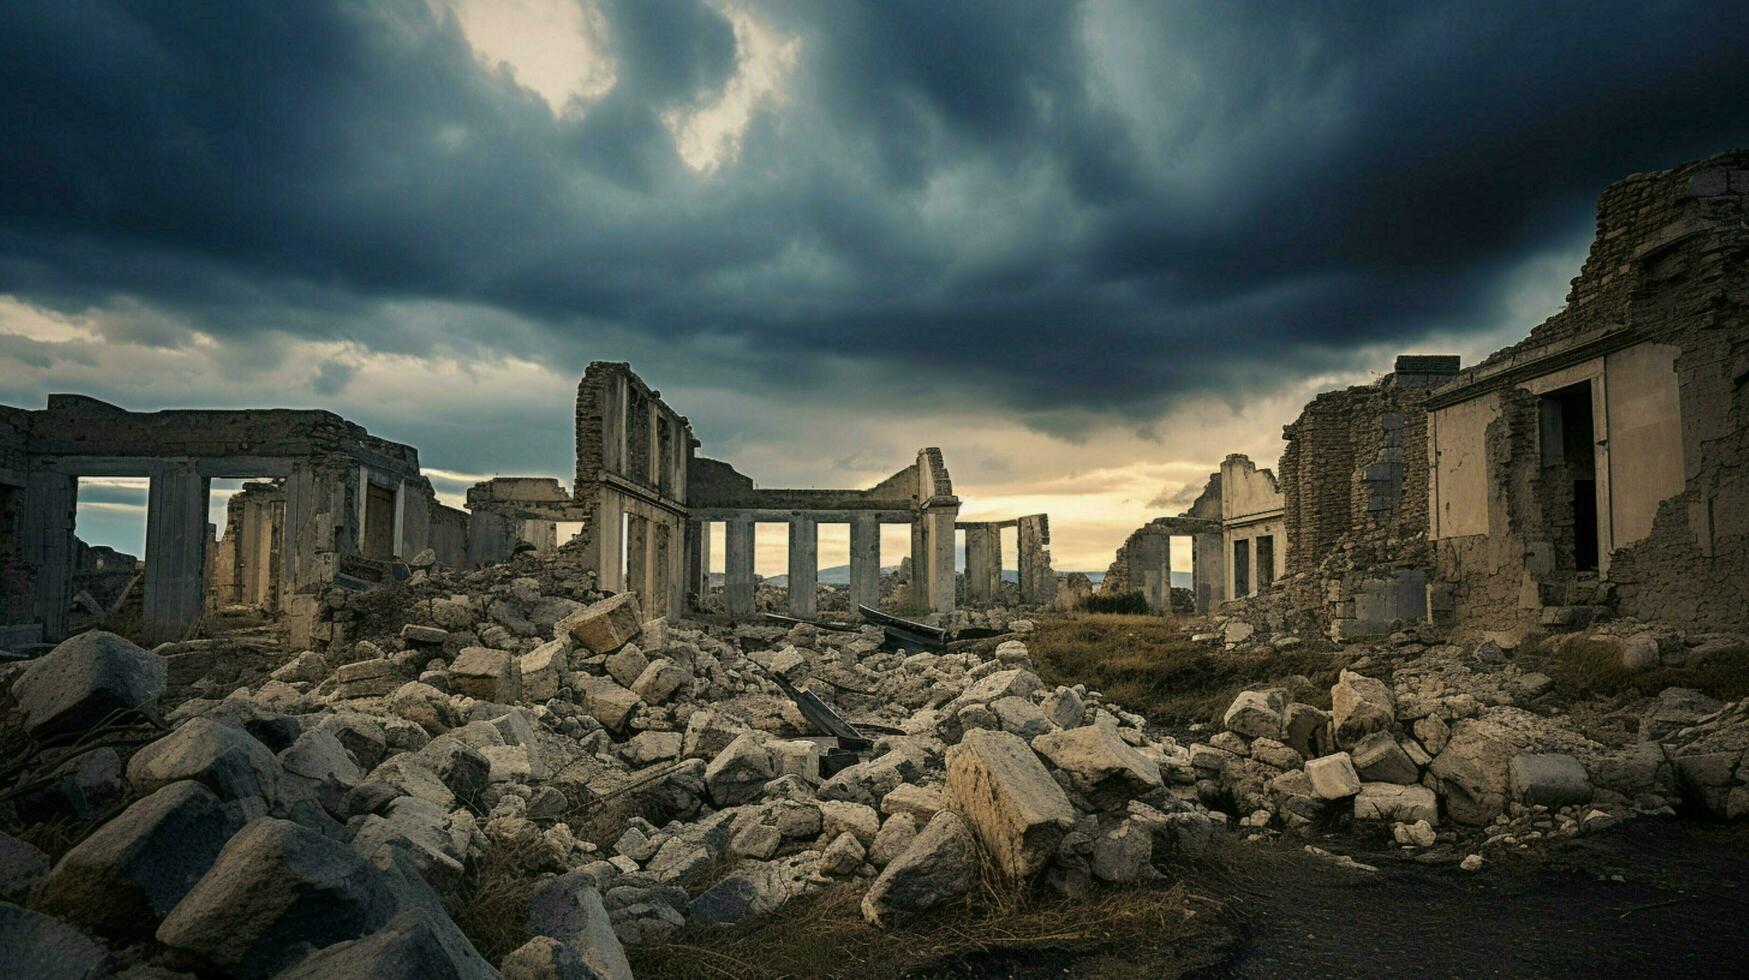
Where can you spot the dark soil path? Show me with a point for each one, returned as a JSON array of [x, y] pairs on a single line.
[[1655, 897]]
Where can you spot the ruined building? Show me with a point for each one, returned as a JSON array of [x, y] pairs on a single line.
[[1601, 460], [1233, 534], [1354, 500], [647, 500], [351, 505]]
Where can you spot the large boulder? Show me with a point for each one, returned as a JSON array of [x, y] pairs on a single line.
[[36, 947], [135, 868], [607, 702], [940, 864], [1009, 799], [21, 867], [659, 680], [418, 944], [225, 759], [1550, 779], [1393, 802], [607, 625], [1674, 709], [1333, 777], [543, 670], [1380, 759], [277, 893], [83, 680], [1100, 765], [545, 958], [486, 674], [738, 772], [1359, 706], [1256, 714], [569, 908], [1472, 772]]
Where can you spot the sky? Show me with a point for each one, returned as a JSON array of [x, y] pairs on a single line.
[[1086, 248]]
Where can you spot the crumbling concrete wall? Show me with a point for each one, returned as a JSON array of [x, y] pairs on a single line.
[[335, 529], [1144, 562], [244, 562], [1354, 479], [1654, 341]]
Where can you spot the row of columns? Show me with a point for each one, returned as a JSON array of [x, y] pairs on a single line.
[[932, 561]]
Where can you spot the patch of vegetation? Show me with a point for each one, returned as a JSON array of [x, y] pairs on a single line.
[[1119, 603], [491, 906], [1149, 664], [1583, 668], [1143, 930]]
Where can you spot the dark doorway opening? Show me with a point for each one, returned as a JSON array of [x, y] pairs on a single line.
[[1265, 561], [1241, 568], [379, 522], [1569, 457]]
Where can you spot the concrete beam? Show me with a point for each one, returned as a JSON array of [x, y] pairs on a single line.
[[176, 534], [778, 516]]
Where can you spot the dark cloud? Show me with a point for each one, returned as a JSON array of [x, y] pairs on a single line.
[[1040, 205]]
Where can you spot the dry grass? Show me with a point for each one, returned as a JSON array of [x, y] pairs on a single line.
[[1149, 664], [491, 906], [1585, 668], [1114, 932]]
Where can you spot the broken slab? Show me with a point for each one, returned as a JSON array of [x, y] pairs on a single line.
[[1549, 779], [607, 625], [1009, 799]]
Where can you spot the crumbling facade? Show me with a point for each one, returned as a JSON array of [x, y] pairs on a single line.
[[243, 564], [1601, 460], [353, 505], [1253, 532], [1354, 501], [1144, 562]]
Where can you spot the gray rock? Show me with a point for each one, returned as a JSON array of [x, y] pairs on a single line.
[[545, 958], [227, 760], [1675, 708], [1395, 803], [940, 865], [36, 947], [277, 893], [1123, 853], [607, 625], [737, 773], [1333, 777], [1549, 779], [1379, 759], [1360, 705], [568, 908], [418, 944], [1256, 714], [21, 867], [1100, 765], [747, 892], [135, 868], [1009, 799], [83, 680]]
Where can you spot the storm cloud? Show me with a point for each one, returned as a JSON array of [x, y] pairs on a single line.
[[1082, 215]]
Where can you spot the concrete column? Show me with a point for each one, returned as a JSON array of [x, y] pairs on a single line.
[[698, 545], [607, 538], [865, 561], [917, 590], [638, 558], [1038, 581], [1156, 552], [940, 522], [176, 531], [46, 533], [738, 567], [804, 565], [983, 563], [1209, 571]]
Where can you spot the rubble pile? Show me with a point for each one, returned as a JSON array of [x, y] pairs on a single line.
[[1459, 749], [318, 822]]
